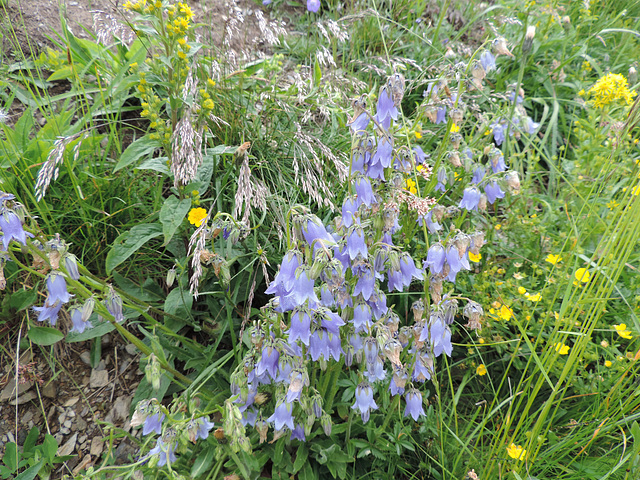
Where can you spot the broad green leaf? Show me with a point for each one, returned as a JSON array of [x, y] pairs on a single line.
[[23, 299], [44, 335], [178, 303], [61, 74], [157, 164], [31, 472], [50, 447], [99, 329], [129, 242], [202, 463], [317, 74], [30, 441], [137, 150], [172, 214], [301, 457], [11, 456]]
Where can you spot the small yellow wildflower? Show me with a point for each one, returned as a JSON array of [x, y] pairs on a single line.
[[612, 205], [622, 331], [498, 226], [411, 186], [481, 340], [522, 290], [582, 275], [561, 348], [196, 216], [610, 88], [536, 297], [501, 271], [475, 258], [455, 128], [516, 451], [481, 370], [553, 259], [635, 190], [608, 363], [505, 313], [556, 315], [211, 82], [418, 134], [208, 104]]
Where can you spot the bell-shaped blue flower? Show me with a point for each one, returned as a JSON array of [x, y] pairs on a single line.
[[11, 229], [414, 407], [436, 257], [364, 401], [300, 326], [57, 289], [493, 191], [355, 243], [282, 416], [166, 453], [470, 198], [153, 423], [48, 313]]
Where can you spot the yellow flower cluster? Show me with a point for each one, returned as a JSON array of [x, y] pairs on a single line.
[[180, 16], [151, 105], [622, 331], [610, 88]]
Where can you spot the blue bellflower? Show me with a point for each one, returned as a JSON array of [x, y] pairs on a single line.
[[414, 407], [493, 192], [282, 416], [364, 401], [165, 452], [313, 6], [11, 228], [470, 198]]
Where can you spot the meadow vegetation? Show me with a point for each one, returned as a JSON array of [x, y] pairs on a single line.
[[394, 240]]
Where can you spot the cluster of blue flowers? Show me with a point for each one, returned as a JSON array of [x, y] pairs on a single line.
[[56, 250], [330, 294], [149, 414]]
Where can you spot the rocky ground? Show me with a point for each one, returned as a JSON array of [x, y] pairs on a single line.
[[75, 403]]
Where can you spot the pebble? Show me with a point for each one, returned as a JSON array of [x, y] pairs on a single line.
[[86, 357], [99, 378], [96, 446], [71, 402], [9, 391], [101, 365], [105, 340], [27, 417], [68, 424], [68, 447], [50, 390], [131, 349], [124, 365], [81, 424], [27, 397]]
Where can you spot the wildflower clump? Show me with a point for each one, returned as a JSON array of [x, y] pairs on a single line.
[[609, 89]]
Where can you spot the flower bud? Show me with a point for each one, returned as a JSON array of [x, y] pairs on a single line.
[[71, 264], [418, 310], [325, 421], [528, 39], [153, 372], [171, 276], [633, 75], [513, 180]]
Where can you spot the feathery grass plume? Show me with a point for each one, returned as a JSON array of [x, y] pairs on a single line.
[[250, 192], [186, 146], [51, 167], [232, 24], [312, 177], [324, 56], [271, 30], [197, 244], [107, 26]]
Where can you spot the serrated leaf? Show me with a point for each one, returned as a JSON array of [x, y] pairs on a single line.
[[44, 335], [172, 214], [129, 242], [139, 149]]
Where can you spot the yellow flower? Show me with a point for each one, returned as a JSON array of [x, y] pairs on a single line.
[[610, 88], [481, 340], [607, 363], [196, 216], [582, 275], [622, 331], [522, 290], [505, 313], [208, 104], [418, 134], [612, 205], [475, 258], [498, 226], [553, 259], [481, 370], [635, 190], [561, 348], [536, 297], [516, 451], [411, 186], [211, 82], [455, 128]]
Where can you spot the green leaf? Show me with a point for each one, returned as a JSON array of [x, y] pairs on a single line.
[[317, 74], [11, 458], [129, 242], [31, 440], [172, 214], [158, 164], [61, 74], [178, 303], [23, 299], [140, 148], [301, 457], [44, 335], [99, 329], [307, 472], [50, 447], [31, 472], [203, 462]]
